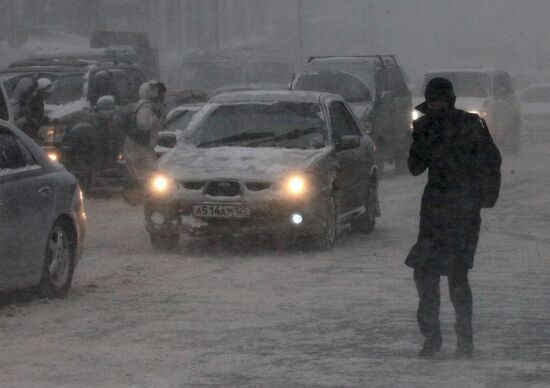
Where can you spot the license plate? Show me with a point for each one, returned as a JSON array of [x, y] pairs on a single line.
[[221, 211]]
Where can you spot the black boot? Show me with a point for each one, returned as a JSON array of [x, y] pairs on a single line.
[[464, 348], [432, 345]]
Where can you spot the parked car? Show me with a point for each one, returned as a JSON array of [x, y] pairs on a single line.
[[274, 162], [535, 107], [488, 93], [376, 91], [42, 218], [177, 121], [87, 144]]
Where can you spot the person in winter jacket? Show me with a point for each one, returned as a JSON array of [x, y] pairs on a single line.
[[139, 146], [463, 166], [25, 90]]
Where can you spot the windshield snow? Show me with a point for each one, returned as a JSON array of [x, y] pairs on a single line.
[[280, 124]]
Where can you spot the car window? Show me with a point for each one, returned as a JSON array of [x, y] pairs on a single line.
[[136, 79], [342, 122], [122, 87], [400, 85], [179, 121], [14, 157], [351, 88]]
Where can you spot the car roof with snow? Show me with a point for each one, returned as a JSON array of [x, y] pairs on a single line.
[[486, 70], [275, 95]]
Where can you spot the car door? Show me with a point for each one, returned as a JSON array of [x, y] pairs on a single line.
[[25, 198], [348, 178]]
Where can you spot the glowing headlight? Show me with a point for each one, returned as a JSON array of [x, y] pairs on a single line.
[[415, 115], [162, 184], [53, 156], [296, 185]]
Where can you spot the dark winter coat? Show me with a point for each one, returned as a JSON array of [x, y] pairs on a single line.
[[464, 176]]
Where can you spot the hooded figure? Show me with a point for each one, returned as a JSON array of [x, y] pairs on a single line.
[[463, 164], [150, 114], [24, 91]]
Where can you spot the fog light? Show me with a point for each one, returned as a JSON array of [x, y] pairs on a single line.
[[297, 219]]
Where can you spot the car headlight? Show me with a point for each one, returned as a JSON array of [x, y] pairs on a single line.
[[54, 156], [161, 184], [297, 185], [415, 115]]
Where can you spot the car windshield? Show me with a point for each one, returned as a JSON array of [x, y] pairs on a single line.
[[346, 85], [179, 121], [540, 94], [278, 124], [466, 84], [363, 71], [67, 87]]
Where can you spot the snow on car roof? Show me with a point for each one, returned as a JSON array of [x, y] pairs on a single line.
[[273, 95], [463, 70]]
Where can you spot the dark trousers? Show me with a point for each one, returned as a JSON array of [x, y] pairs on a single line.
[[427, 284]]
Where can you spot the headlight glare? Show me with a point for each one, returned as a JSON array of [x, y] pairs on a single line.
[[162, 184], [297, 185]]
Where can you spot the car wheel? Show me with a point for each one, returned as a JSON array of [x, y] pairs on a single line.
[[327, 236], [164, 242], [57, 274], [365, 222]]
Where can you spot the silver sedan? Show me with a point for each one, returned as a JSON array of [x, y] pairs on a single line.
[[42, 218]]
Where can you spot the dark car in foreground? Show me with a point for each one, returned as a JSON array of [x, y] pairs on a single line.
[[85, 142], [42, 219], [276, 163]]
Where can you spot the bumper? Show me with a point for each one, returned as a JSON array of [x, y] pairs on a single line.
[[271, 216]]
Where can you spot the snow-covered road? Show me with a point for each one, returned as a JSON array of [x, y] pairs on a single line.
[[252, 315]]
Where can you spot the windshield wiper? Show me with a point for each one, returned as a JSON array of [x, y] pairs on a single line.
[[290, 135], [235, 138]]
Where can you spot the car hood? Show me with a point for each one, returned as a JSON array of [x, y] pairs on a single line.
[[61, 111], [187, 162], [361, 109]]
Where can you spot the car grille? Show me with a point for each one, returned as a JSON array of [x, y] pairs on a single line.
[[258, 186], [223, 189], [193, 185]]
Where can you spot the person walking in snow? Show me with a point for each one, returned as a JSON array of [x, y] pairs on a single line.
[[463, 166], [139, 146]]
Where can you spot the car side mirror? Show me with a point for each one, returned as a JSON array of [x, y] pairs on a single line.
[[349, 142], [387, 97], [167, 140]]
